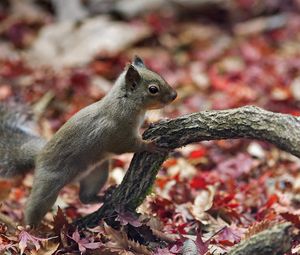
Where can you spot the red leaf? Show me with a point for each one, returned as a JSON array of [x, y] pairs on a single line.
[[198, 182], [164, 208], [170, 162], [201, 245], [272, 200], [161, 182], [59, 221], [80, 79], [218, 81], [295, 219], [198, 153]]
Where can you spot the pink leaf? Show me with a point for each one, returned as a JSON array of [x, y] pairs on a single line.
[[84, 243], [25, 238], [201, 245], [230, 234], [76, 236], [126, 217]]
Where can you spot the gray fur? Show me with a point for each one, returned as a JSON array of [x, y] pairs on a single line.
[[81, 147], [19, 143]]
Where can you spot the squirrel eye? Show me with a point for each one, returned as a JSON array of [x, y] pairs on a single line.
[[153, 89]]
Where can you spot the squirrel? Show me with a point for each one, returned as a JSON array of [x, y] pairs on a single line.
[[80, 150]]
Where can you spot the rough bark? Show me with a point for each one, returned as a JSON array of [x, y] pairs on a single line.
[[246, 122], [276, 241]]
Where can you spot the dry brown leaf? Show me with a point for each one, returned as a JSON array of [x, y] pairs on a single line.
[[48, 249], [170, 238], [138, 248], [258, 227], [153, 222], [120, 243], [119, 239]]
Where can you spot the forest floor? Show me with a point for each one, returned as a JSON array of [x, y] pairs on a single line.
[[214, 193]]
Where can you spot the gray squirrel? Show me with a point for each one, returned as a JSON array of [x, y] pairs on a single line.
[[81, 148]]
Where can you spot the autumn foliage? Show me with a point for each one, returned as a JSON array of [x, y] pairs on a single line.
[[207, 197]]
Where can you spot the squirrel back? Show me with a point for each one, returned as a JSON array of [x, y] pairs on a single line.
[[19, 143]]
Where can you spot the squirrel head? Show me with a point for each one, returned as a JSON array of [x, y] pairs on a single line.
[[146, 86]]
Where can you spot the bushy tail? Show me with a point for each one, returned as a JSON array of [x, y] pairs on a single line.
[[19, 141]]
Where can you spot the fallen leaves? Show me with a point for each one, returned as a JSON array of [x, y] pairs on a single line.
[[84, 243], [229, 188], [203, 202], [120, 243]]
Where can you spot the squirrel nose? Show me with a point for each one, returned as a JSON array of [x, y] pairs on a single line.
[[173, 95]]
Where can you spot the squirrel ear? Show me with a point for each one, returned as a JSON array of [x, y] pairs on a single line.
[[137, 61], [132, 77]]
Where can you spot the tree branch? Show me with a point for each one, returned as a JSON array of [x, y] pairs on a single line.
[[276, 241], [246, 122]]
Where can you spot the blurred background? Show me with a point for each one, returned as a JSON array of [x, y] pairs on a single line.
[[61, 55], [217, 54]]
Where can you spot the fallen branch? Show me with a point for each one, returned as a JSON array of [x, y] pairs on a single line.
[[276, 241], [246, 122]]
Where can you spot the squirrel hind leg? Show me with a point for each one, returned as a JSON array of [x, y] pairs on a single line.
[[42, 198]]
